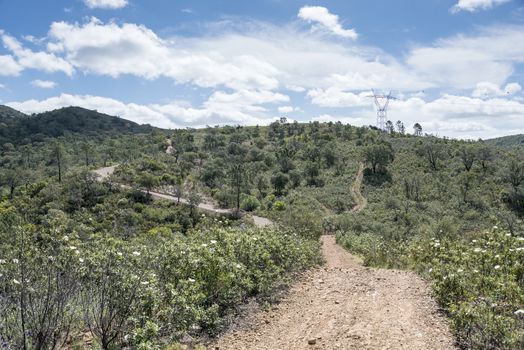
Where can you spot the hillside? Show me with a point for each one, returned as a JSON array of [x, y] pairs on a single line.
[[449, 210], [512, 141], [16, 127]]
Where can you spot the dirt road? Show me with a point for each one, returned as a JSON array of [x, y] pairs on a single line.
[[361, 201], [105, 172], [344, 305]]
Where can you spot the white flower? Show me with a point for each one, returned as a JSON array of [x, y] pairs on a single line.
[[145, 283], [519, 249], [437, 245], [2, 261], [213, 241], [72, 247], [476, 271], [77, 252], [497, 267], [477, 250], [15, 281], [81, 260], [66, 238], [203, 215], [430, 270], [460, 270], [508, 234], [497, 256], [52, 258], [119, 253], [519, 312], [495, 227], [191, 280], [135, 253], [474, 241], [16, 261], [204, 245], [238, 266], [520, 238]]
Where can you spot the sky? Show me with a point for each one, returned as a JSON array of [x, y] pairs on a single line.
[[454, 66]]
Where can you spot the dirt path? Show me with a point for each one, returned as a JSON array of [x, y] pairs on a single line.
[[355, 189], [105, 172], [344, 305]]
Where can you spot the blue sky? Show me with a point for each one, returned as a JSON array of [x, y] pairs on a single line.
[[456, 66]]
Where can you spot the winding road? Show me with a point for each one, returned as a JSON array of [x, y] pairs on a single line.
[[341, 305]]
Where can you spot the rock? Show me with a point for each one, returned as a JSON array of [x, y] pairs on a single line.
[[312, 341], [337, 302]]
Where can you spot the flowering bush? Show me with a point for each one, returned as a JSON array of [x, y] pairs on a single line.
[[480, 281], [143, 292]]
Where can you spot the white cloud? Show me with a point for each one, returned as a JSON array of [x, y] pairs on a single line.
[[27, 58], [475, 5], [454, 62], [326, 20], [43, 84], [288, 109], [111, 49], [106, 4], [241, 107], [8, 66], [334, 97], [3, 87], [486, 89]]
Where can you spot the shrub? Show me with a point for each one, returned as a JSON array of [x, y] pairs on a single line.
[[249, 203]]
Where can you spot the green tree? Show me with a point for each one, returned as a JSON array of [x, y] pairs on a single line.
[[378, 156], [279, 182]]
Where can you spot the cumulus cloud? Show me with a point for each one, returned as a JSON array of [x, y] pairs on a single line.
[[334, 97], [26, 58], [43, 84], [8, 66], [486, 89], [114, 50], [454, 61], [241, 107], [106, 4], [288, 109], [475, 5], [325, 20]]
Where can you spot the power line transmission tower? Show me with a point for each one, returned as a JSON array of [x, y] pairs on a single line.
[[382, 103]]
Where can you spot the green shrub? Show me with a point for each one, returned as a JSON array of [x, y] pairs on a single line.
[[249, 203], [279, 206]]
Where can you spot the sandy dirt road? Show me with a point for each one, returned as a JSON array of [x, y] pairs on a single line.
[[344, 305]]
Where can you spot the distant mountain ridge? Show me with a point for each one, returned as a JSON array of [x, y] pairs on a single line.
[[17, 127], [511, 141]]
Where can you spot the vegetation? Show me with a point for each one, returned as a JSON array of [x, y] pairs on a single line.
[[432, 207]]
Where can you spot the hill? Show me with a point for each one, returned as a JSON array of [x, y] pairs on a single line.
[[17, 127], [450, 210], [511, 141]]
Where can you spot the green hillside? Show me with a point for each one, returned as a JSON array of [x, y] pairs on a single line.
[[512, 141], [451, 210], [16, 127]]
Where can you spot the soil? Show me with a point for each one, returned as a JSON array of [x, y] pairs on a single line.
[[344, 305]]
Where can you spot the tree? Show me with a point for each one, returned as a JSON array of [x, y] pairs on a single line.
[[417, 129], [514, 173], [433, 152], [148, 181], [467, 154], [57, 155], [400, 127], [378, 156], [390, 128], [87, 149], [279, 182], [237, 172], [485, 156]]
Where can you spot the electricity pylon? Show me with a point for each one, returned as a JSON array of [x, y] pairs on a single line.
[[382, 103]]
